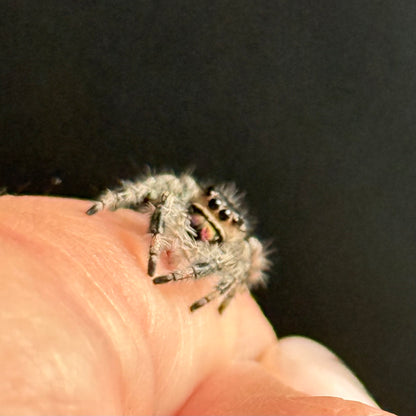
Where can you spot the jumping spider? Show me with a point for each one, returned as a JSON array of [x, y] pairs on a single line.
[[203, 224]]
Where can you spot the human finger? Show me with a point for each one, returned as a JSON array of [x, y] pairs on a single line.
[[247, 388], [78, 287]]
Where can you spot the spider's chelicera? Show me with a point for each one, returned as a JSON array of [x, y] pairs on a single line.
[[204, 224]]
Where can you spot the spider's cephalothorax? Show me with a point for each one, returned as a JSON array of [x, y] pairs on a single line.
[[204, 224], [214, 218]]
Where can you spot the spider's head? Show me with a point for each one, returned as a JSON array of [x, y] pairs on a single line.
[[220, 204], [215, 216]]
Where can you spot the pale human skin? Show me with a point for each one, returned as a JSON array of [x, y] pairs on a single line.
[[85, 331]]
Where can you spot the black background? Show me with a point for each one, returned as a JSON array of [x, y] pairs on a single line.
[[309, 106]]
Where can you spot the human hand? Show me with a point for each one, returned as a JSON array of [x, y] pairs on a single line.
[[85, 331]]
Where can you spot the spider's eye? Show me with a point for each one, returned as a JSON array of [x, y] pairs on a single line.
[[224, 214], [214, 203], [209, 190], [238, 220]]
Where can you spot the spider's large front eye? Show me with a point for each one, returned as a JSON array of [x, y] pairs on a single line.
[[224, 214], [214, 203]]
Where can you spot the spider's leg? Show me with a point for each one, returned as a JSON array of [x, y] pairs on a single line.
[[157, 228], [98, 206], [131, 195], [227, 299], [195, 271], [203, 301], [223, 287], [135, 195]]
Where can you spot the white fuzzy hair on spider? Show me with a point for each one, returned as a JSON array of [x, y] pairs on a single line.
[[206, 225]]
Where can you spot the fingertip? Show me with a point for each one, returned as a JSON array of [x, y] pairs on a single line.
[[308, 366], [248, 389]]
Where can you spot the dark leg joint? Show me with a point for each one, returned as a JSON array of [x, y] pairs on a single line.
[[151, 266], [198, 304], [203, 301], [224, 304], [226, 301], [92, 210], [163, 279], [204, 269]]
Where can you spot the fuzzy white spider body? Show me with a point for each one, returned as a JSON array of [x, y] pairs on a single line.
[[205, 225]]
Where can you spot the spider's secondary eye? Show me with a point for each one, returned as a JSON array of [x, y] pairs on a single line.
[[238, 220], [209, 190], [224, 214], [214, 203]]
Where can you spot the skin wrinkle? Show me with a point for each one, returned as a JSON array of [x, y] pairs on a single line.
[[181, 367], [47, 374], [107, 323], [118, 325], [171, 376], [89, 303]]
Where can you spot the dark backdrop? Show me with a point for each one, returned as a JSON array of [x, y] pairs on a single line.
[[308, 106]]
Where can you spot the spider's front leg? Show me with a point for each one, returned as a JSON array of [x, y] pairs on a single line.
[[168, 195], [128, 196], [157, 228], [135, 196]]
